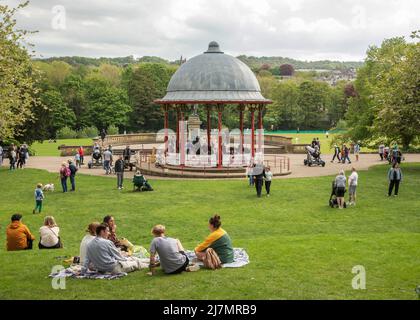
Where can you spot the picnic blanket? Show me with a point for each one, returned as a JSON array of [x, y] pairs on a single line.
[[79, 272], [240, 258]]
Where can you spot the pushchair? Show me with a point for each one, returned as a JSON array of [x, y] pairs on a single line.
[[96, 158], [313, 157], [333, 197]]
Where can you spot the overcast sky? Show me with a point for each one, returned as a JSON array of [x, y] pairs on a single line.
[[300, 29]]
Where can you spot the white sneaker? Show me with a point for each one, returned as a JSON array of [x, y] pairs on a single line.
[[192, 268]]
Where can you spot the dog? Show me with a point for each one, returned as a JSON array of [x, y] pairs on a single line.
[[48, 187]]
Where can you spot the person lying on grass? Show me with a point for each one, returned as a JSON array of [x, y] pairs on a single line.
[[218, 240], [103, 256], [173, 259]]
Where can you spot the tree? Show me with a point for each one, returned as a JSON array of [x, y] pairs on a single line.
[[286, 70], [387, 104], [17, 76], [107, 105], [312, 103], [148, 82]]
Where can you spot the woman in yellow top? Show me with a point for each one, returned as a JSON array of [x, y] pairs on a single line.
[[218, 240]]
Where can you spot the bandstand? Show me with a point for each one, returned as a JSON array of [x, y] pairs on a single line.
[[211, 81]]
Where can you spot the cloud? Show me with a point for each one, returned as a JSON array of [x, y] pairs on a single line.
[[304, 29]]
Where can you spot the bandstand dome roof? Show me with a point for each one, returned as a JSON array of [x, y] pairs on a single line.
[[213, 77]]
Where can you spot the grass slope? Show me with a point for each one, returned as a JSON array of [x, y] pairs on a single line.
[[299, 247], [51, 149]]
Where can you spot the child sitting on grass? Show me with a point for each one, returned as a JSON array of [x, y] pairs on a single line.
[[39, 197]]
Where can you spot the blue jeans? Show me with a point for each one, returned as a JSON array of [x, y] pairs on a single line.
[[64, 184], [73, 183], [107, 167]]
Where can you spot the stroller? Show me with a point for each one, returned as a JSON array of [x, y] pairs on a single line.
[[96, 158], [333, 198], [313, 157]]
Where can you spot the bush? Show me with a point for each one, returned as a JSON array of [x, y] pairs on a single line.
[[112, 129], [88, 132], [66, 133]]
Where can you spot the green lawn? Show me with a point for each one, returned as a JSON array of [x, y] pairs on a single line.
[[298, 246], [51, 149]]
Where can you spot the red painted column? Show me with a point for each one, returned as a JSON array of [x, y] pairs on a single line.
[[252, 132], [166, 130], [177, 129], [208, 130], [182, 141], [220, 162], [241, 128], [260, 127]]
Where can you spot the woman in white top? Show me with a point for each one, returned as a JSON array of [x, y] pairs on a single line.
[[268, 177], [91, 229], [352, 186], [50, 238]]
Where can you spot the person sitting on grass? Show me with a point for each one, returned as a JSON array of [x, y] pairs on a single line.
[[39, 197], [50, 238], [218, 240], [103, 256], [91, 230], [18, 235], [173, 259], [140, 182], [110, 222]]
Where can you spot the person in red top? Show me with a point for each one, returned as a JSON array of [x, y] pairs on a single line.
[[81, 152]]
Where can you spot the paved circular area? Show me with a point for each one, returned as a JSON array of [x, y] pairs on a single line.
[[299, 170]]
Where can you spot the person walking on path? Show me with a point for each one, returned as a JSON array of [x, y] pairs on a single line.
[[73, 169], [337, 152], [12, 158], [395, 177], [268, 177], [340, 184], [357, 150], [346, 151], [381, 151], [81, 153], [119, 170], [39, 197], [107, 161], [103, 136], [64, 174], [352, 186]]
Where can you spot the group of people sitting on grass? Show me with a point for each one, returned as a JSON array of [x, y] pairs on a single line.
[[19, 237], [101, 250]]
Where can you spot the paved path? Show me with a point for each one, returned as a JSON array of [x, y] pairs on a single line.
[[299, 170]]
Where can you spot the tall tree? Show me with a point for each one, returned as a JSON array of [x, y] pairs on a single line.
[[17, 76], [148, 82]]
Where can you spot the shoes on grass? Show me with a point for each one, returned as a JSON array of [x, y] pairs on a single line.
[[193, 267]]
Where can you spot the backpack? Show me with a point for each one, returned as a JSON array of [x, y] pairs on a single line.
[[67, 173], [212, 260]]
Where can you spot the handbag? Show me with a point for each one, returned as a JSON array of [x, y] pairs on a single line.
[[211, 260]]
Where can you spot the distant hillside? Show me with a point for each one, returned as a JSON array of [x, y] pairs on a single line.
[[254, 63]]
